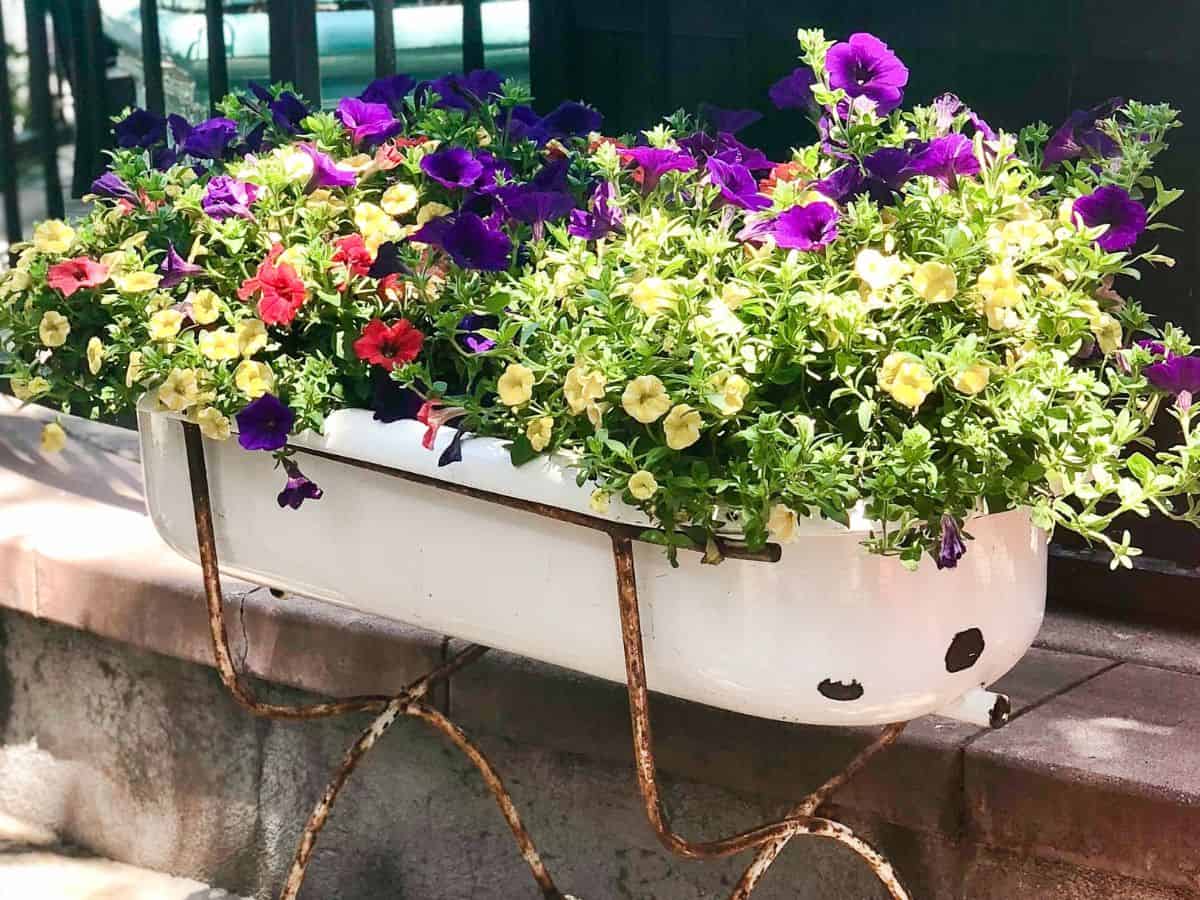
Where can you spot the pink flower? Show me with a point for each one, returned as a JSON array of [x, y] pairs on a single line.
[[72, 274]]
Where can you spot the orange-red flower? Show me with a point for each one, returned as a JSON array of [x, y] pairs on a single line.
[[281, 291], [72, 274], [389, 347]]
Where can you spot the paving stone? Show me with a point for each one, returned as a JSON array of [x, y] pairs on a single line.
[[1160, 646]]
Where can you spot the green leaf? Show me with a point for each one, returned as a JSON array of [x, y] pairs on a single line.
[[521, 451]]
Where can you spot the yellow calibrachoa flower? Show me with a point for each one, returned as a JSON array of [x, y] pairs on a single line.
[[935, 282], [1000, 309], [538, 431], [95, 355], [994, 278], [53, 438], [652, 295], [400, 199], [645, 398], [734, 295], [165, 324], [53, 329], [781, 524], [682, 426], [26, 390], [432, 210], [376, 226], [515, 386], [729, 392], [1108, 333], [972, 379], [53, 236], [213, 424], [180, 390], [359, 162], [251, 336], [595, 413], [296, 256], [205, 307], [220, 344], [133, 372], [598, 501], [583, 386], [643, 484], [877, 270], [1027, 233], [136, 282], [905, 377], [297, 165], [254, 378]]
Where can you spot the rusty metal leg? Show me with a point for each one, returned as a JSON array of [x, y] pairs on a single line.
[[766, 835]]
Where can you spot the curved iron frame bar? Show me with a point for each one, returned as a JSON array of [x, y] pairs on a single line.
[[768, 839]]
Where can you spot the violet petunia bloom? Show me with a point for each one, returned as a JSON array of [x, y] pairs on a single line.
[[175, 268], [1081, 136], [225, 196], [368, 123], [265, 423], [298, 488], [468, 336], [524, 123], [952, 548], [807, 227], [110, 184], [1153, 347], [842, 183], [388, 262], [525, 203], [795, 91], [390, 91], [887, 170], [494, 169], [454, 167], [945, 158], [141, 128], [570, 119], [287, 110], [736, 185], [601, 218], [865, 66], [326, 173], [731, 150], [210, 139], [470, 241], [465, 92], [730, 121], [389, 401], [1112, 206], [947, 107], [656, 161], [1176, 375]]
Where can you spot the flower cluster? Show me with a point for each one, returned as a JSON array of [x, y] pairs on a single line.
[[913, 316]]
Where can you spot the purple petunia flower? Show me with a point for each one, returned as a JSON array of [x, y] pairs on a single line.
[[465, 92], [730, 121], [368, 123], [454, 167], [326, 173], [945, 158], [947, 107], [468, 336], [525, 203], [390, 91], [842, 183], [387, 261], [298, 488], [471, 242], [570, 119], [524, 123], [736, 184], [952, 547], [209, 139], [110, 184], [601, 218], [865, 66], [389, 401], [656, 161], [225, 196], [1080, 135], [1176, 375], [1112, 206], [175, 268], [795, 91], [729, 149], [887, 170], [265, 423], [287, 110], [141, 128], [807, 227]]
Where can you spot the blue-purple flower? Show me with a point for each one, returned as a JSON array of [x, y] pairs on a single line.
[[454, 167], [287, 110], [175, 268], [368, 123], [1081, 136], [465, 92], [470, 241], [1176, 375], [657, 161], [298, 488], [600, 219], [468, 336], [1112, 206], [951, 548], [141, 128], [389, 401], [326, 173], [390, 91], [729, 149], [865, 66], [736, 185], [569, 119], [842, 183], [946, 158], [794, 91], [110, 184], [523, 123], [887, 170], [807, 227], [730, 121], [225, 196], [209, 139], [525, 203], [265, 423]]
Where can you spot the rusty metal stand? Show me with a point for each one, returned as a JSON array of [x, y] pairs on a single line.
[[768, 840]]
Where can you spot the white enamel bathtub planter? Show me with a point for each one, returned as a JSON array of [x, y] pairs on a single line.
[[830, 634]]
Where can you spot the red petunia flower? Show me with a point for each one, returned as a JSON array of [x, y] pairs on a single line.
[[788, 171], [433, 414], [281, 291], [72, 274], [393, 288], [353, 253], [388, 347]]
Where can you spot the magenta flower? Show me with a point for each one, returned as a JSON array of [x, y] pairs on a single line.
[[298, 488], [729, 149], [175, 268], [265, 423], [1080, 135], [736, 184], [368, 123], [454, 167], [1112, 206], [952, 547], [730, 121], [794, 91], [945, 158], [601, 218], [225, 196], [656, 161], [327, 173], [865, 66], [842, 184], [1175, 374], [807, 227]]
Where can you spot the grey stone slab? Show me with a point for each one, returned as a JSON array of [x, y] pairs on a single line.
[[1160, 646]]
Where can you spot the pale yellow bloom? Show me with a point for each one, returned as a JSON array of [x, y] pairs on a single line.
[[538, 431], [878, 271], [483, 137], [251, 336], [1108, 333], [53, 236], [781, 524], [359, 162], [134, 372], [95, 355], [53, 329], [205, 306], [432, 210], [1027, 233], [254, 378], [645, 398], [515, 386], [296, 256], [137, 282], [27, 390], [213, 424], [972, 379], [999, 277], [180, 390], [53, 438], [734, 295], [643, 484], [1000, 309], [682, 426], [220, 344], [165, 324], [375, 224], [595, 413], [598, 501], [16, 281], [729, 392], [651, 295], [296, 164], [582, 386], [905, 377], [935, 282], [400, 199]]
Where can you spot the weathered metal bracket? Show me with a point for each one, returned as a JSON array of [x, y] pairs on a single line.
[[768, 840]]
